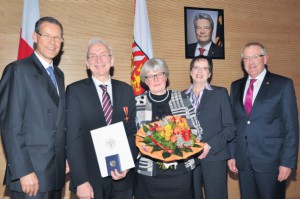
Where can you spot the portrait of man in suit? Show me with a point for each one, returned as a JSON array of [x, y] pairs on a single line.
[[32, 117], [265, 150], [201, 34], [95, 102]]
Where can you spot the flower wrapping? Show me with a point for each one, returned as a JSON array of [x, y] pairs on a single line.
[[168, 139]]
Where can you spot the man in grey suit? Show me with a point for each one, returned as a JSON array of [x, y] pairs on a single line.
[[32, 118], [265, 149]]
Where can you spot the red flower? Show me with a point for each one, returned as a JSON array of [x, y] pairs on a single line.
[[186, 135]]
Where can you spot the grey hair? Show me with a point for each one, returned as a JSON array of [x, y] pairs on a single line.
[[263, 49], [94, 41], [201, 15], [154, 64]]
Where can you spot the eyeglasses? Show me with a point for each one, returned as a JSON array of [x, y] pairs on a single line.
[[197, 68], [253, 57], [48, 37], [102, 56], [158, 76]]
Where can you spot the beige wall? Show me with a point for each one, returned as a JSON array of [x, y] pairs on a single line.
[[274, 23]]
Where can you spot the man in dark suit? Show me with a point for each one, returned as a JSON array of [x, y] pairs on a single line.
[[204, 26], [32, 116], [266, 147], [86, 112]]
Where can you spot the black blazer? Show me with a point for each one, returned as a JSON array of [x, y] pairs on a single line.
[[270, 134], [215, 116], [215, 51], [84, 113], [32, 119]]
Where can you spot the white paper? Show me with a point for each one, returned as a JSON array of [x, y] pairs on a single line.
[[111, 140]]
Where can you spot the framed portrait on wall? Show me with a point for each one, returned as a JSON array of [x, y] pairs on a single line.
[[204, 32]]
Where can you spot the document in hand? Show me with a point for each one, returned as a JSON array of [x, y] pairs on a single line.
[[112, 148]]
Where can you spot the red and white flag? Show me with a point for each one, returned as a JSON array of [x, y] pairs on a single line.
[[141, 46], [31, 13]]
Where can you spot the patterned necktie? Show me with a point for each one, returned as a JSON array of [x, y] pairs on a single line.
[[106, 104], [249, 97], [202, 50], [52, 76]]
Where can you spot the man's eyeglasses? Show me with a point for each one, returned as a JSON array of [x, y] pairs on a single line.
[[94, 57], [48, 37], [253, 57], [158, 76]]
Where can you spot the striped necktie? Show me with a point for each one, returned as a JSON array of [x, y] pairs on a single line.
[[106, 104]]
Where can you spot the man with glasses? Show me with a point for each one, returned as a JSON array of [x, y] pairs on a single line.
[[265, 149], [92, 103], [32, 116]]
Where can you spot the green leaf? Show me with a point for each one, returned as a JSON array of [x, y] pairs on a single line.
[[196, 145], [156, 148], [145, 129], [166, 154], [178, 152], [187, 150]]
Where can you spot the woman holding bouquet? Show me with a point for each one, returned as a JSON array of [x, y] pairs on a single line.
[[213, 109], [158, 179]]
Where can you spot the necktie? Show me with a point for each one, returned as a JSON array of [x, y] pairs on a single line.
[[106, 104], [249, 97], [202, 50], [52, 76]]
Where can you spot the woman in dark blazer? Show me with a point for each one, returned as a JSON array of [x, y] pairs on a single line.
[[213, 110]]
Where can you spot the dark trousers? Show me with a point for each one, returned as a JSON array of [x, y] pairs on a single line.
[[254, 185], [108, 192], [212, 176], [40, 195]]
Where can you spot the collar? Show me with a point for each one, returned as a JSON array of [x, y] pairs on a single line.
[[190, 89], [98, 82], [44, 63], [206, 47], [260, 77]]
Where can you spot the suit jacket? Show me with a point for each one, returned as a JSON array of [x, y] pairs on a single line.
[[215, 116], [215, 51], [85, 113], [32, 119], [269, 136]]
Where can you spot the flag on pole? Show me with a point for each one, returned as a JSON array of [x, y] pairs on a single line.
[[31, 13], [141, 46]]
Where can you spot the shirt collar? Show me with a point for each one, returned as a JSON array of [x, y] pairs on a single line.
[[98, 82], [206, 47], [44, 63], [190, 89], [260, 77]]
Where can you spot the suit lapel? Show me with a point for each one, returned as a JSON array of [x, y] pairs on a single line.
[[42, 73], [204, 98], [262, 92]]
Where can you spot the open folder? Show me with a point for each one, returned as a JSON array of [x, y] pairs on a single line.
[[112, 148]]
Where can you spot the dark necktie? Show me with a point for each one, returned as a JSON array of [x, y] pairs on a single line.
[[249, 97], [106, 104], [202, 50], [52, 76]]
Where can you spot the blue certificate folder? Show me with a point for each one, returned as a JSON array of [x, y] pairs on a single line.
[[112, 163]]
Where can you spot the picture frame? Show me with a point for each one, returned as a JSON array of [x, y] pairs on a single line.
[[197, 24]]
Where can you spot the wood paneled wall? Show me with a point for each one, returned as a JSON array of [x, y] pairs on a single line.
[[274, 23]]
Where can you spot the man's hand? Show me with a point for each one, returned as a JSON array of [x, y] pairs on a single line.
[[85, 191], [30, 184], [205, 151], [232, 166], [118, 176], [284, 173]]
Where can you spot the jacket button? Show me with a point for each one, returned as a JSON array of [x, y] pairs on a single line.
[[246, 137]]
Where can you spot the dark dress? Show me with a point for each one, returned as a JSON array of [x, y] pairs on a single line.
[[171, 183]]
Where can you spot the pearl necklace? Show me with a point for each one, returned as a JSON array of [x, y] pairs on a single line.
[[158, 101]]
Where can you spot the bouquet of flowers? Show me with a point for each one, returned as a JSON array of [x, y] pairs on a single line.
[[168, 139]]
